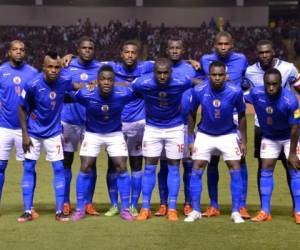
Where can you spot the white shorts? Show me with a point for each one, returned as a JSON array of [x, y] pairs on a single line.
[[10, 138], [270, 149], [134, 132], [53, 148], [206, 145], [72, 136], [114, 142], [155, 139]]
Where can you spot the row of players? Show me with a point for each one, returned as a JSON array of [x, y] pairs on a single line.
[[42, 126]]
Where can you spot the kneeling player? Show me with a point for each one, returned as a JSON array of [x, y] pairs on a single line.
[[217, 131], [278, 115], [103, 106]]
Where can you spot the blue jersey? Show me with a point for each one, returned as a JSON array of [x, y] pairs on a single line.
[[74, 113], [12, 80], [184, 70], [186, 104], [44, 102], [236, 64], [162, 102], [103, 114], [275, 117], [217, 108], [133, 111]]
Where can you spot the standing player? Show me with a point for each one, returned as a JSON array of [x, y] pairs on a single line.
[[133, 123], [278, 115], [13, 75], [40, 116], [81, 69], [217, 132], [175, 52], [162, 93], [236, 64], [103, 127], [254, 77]]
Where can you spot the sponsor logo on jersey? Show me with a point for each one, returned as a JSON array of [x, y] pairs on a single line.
[[269, 110], [162, 94], [104, 108], [84, 76], [216, 103], [17, 80], [52, 95]]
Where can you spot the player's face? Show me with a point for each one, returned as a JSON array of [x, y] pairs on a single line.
[[16, 52], [129, 55], [223, 46], [217, 77], [162, 73], [86, 51], [51, 68], [175, 50], [265, 55], [272, 85], [106, 81]]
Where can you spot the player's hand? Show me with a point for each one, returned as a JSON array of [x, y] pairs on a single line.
[[191, 149], [243, 149], [66, 60], [92, 85], [122, 84], [294, 161], [26, 143], [196, 65]]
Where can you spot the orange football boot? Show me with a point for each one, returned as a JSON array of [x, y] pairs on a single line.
[[144, 214], [262, 216], [34, 214], [244, 213], [211, 212], [91, 210], [172, 215], [67, 209], [162, 210]]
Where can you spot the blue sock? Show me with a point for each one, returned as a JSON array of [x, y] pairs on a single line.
[[59, 184], [28, 183], [82, 184], [92, 185], [295, 185], [236, 185], [3, 165], [212, 184], [68, 179], [123, 183], [187, 167], [136, 186], [148, 183], [111, 181], [244, 174], [196, 188], [266, 188], [173, 185], [162, 177]]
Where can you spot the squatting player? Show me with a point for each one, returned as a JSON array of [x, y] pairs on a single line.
[[278, 115], [217, 132]]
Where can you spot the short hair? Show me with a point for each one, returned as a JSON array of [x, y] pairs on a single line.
[[164, 60], [131, 42], [223, 34], [85, 39], [15, 41], [52, 54], [106, 68], [217, 64], [176, 39], [273, 71], [264, 42]]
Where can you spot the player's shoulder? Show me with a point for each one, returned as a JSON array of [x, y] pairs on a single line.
[[145, 66], [202, 86], [64, 78], [208, 57], [30, 68], [232, 87], [121, 91], [288, 95], [259, 90], [144, 79], [238, 55], [253, 69], [35, 81], [282, 66], [4, 66]]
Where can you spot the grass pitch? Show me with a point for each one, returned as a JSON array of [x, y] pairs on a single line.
[[157, 233]]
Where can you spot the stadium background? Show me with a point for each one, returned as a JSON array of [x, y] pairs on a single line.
[[58, 24]]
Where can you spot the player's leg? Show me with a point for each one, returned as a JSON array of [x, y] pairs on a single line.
[[152, 148], [89, 207], [117, 150], [28, 179], [203, 146], [257, 145], [111, 182], [68, 161]]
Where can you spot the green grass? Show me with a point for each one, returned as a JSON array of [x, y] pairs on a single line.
[[157, 233]]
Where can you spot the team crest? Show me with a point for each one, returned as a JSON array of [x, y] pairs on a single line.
[[104, 108], [84, 76], [216, 103], [269, 110], [162, 94], [17, 80], [52, 95]]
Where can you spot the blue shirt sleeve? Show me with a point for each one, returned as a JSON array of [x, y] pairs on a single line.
[[240, 103], [294, 115]]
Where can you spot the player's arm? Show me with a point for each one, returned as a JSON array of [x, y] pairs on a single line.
[[26, 141], [196, 65], [293, 158], [243, 130], [66, 60]]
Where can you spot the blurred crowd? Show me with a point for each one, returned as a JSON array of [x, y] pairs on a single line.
[[198, 40]]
